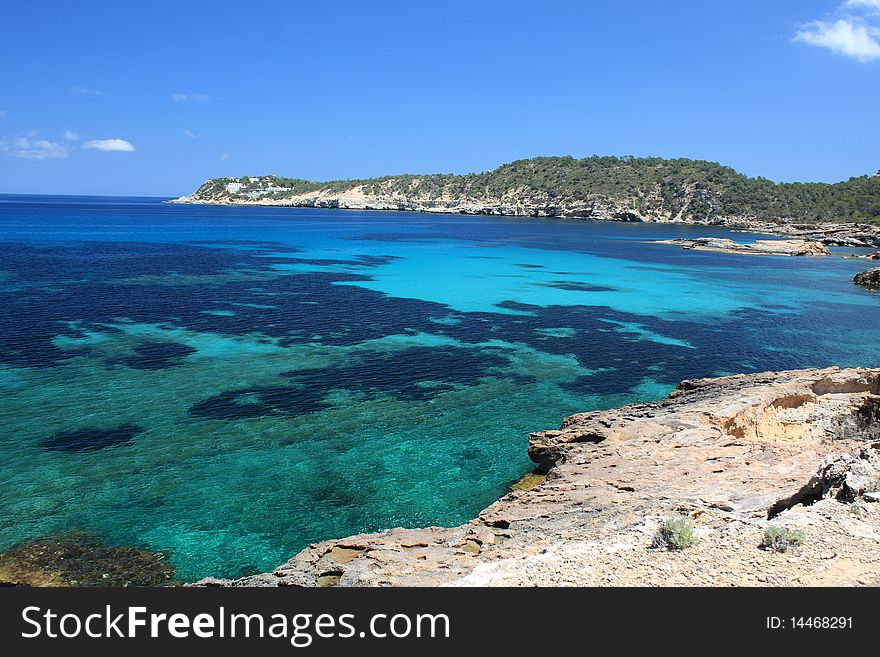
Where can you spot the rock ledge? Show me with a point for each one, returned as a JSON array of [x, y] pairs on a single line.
[[758, 247]]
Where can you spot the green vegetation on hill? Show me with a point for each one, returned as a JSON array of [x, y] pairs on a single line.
[[649, 187]]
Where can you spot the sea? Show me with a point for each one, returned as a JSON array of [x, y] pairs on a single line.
[[230, 384]]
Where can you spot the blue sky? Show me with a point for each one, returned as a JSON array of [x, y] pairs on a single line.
[[152, 98]]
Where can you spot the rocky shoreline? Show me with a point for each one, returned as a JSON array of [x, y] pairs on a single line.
[[830, 234], [758, 247], [851, 235], [734, 455]]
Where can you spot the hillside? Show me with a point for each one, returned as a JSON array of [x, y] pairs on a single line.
[[621, 188]]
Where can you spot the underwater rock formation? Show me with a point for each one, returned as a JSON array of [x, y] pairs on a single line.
[[90, 439], [77, 558]]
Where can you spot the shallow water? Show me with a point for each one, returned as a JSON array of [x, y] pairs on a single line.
[[230, 384]]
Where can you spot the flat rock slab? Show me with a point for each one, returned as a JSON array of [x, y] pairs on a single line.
[[759, 247]]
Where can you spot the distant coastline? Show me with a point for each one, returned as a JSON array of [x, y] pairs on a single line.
[[598, 188]]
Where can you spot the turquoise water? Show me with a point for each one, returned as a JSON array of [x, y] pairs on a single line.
[[231, 384]]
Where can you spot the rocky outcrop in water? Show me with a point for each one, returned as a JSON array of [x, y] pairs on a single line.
[[734, 455], [77, 558], [852, 235], [869, 278], [758, 247]]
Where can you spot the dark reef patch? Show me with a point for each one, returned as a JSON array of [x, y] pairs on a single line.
[[309, 307], [259, 401], [254, 244], [156, 355], [359, 261], [508, 304], [89, 440], [84, 262], [418, 373], [172, 289], [578, 287]]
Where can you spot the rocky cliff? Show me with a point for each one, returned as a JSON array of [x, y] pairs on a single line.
[[385, 196]]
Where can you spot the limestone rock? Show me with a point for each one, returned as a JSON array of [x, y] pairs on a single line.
[[759, 247], [869, 278], [515, 203]]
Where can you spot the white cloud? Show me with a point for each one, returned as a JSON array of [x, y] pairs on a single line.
[[870, 4], [71, 136], [33, 149], [844, 37], [191, 134], [855, 34], [224, 156], [85, 91], [109, 145], [181, 98]]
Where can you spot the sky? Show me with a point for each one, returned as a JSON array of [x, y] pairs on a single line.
[[153, 98]]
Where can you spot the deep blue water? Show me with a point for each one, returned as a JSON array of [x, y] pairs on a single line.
[[230, 384]]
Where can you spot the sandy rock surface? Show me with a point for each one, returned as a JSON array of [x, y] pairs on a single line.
[[758, 247]]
